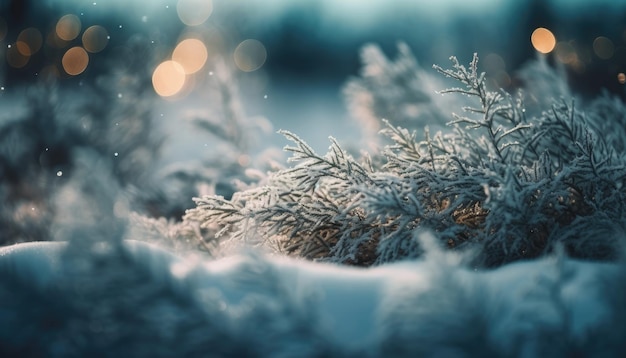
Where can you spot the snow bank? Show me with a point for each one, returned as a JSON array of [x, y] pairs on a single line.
[[145, 300]]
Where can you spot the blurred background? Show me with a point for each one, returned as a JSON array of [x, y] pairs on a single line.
[[180, 97], [293, 57]]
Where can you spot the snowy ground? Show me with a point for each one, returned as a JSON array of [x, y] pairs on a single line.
[[434, 307]]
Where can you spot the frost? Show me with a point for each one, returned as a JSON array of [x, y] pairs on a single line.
[[504, 182]]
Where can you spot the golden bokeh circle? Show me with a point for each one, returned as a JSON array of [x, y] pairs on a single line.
[[95, 38], [194, 12], [75, 61], [603, 47], [68, 27], [543, 40], [29, 41], [168, 78], [191, 54], [15, 58], [250, 55]]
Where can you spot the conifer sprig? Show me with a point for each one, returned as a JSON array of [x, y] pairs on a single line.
[[507, 184]]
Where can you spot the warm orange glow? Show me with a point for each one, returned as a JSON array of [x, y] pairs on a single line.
[[23, 48], [194, 12], [68, 27], [191, 54], [603, 47], [29, 41], [75, 61], [543, 40], [95, 39], [621, 78], [15, 58], [250, 55], [168, 78]]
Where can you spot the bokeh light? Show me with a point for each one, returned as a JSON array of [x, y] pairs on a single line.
[[23, 48], [565, 53], [15, 58], [493, 62], [543, 40], [68, 27], [191, 54], [250, 55], [168, 78], [603, 47], [194, 12], [495, 67], [95, 38], [75, 61], [29, 41]]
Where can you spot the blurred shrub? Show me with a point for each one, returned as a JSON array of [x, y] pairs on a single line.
[[111, 118]]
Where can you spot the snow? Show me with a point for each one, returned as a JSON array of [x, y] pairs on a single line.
[[432, 305], [346, 298], [35, 262]]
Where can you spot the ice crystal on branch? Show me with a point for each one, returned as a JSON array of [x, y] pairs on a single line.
[[507, 183]]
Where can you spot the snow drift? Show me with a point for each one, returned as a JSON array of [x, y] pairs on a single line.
[[141, 300]]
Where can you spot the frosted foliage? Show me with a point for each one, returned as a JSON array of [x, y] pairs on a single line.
[[235, 145], [507, 183], [399, 90]]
